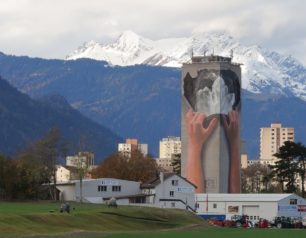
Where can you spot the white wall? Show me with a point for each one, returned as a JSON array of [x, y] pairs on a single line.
[[183, 191], [67, 192], [91, 193]]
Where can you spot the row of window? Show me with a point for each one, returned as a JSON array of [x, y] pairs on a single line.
[[103, 188]]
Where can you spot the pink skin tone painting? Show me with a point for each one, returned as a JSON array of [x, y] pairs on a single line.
[[198, 135]]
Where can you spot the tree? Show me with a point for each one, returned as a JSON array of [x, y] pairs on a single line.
[[38, 161], [300, 155], [286, 168], [253, 178], [136, 168], [176, 163]]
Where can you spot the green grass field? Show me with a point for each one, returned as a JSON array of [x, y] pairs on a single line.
[[25, 219], [43, 219]]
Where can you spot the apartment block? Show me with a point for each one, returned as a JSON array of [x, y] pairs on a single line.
[[271, 139]]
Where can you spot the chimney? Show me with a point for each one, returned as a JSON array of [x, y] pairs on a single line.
[[161, 177]]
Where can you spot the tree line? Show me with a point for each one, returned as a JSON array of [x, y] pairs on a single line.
[[31, 173], [280, 177], [22, 175]]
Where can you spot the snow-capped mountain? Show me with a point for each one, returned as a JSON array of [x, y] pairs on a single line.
[[263, 71]]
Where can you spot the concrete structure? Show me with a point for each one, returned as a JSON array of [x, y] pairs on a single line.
[[271, 139], [267, 206], [211, 85], [131, 145], [167, 191], [81, 160]]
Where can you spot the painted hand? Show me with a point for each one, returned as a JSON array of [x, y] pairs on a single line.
[[232, 127], [198, 135]]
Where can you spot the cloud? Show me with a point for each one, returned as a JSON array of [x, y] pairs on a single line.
[[53, 28]]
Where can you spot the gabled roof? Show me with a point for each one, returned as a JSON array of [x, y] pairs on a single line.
[[152, 183]]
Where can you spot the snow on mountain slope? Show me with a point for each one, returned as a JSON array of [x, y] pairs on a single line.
[[263, 71]]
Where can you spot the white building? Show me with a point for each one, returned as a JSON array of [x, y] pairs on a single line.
[[170, 190], [62, 174], [131, 145], [167, 191], [271, 139], [267, 206]]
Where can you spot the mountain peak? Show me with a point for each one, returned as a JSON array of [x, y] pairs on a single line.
[[263, 71], [128, 35]]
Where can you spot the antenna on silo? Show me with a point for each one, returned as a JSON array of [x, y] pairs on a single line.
[[191, 53], [232, 53]]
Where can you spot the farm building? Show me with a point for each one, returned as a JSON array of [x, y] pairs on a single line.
[[267, 206]]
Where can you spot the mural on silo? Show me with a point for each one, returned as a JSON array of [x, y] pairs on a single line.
[[211, 112]]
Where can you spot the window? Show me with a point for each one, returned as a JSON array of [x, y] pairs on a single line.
[[215, 205], [116, 188], [102, 188], [293, 201], [173, 204], [175, 182], [171, 193]]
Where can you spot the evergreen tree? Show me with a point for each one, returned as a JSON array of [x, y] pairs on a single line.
[[286, 168], [176, 163]]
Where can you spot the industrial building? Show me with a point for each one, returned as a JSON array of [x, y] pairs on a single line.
[[224, 206]]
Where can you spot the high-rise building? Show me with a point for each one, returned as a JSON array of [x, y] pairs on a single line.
[[168, 147], [271, 138], [131, 145], [210, 136]]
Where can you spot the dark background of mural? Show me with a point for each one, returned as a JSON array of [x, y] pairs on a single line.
[[206, 78]]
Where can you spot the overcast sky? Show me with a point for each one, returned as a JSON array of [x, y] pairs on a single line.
[[54, 28]]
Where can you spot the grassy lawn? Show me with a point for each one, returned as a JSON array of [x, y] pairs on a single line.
[[43, 219]]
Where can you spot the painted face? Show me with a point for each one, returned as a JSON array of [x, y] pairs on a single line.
[[215, 101]]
